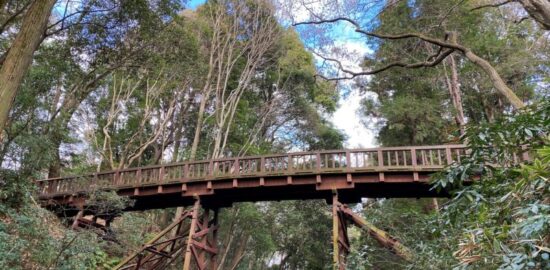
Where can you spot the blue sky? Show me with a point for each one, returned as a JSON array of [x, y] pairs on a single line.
[[347, 117], [193, 4], [342, 34]]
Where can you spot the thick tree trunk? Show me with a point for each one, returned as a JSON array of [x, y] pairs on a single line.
[[539, 10], [20, 54]]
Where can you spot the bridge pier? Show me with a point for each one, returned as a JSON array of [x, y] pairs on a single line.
[[192, 236], [340, 240], [201, 242]]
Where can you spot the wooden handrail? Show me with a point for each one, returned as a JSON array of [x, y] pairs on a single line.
[[296, 162]]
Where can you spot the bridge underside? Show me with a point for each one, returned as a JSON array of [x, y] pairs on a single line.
[[219, 193]]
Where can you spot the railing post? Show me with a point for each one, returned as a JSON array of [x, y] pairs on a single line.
[[380, 158], [186, 171], [211, 168], [348, 159], [139, 178], [290, 166], [116, 179], [318, 157], [236, 167], [413, 157], [161, 174], [262, 164], [448, 155]]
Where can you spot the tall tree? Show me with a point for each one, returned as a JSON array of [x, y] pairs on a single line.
[[20, 54]]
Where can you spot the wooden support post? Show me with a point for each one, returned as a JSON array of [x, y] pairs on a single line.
[[204, 220], [340, 240], [335, 255], [160, 251], [192, 229], [76, 219], [214, 243]]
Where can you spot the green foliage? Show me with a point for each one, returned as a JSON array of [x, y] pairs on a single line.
[[411, 120], [400, 218], [413, 106], [13, 192], [501, 220], [32, 238]]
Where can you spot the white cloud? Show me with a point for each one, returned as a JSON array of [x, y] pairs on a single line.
[[347, 118], [350, 48]]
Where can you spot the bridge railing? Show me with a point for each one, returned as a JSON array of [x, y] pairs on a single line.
[[415, 158]]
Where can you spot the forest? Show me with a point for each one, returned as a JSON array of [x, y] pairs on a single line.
[[88, 86]]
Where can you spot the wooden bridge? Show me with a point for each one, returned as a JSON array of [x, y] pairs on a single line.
[[339, 176], [378, 172]]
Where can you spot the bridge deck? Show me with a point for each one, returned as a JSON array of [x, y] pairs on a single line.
[[377, 172]]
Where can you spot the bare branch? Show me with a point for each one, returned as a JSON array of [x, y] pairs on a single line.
[[431, 61], [450, 43], [493, 5], [420, 36]]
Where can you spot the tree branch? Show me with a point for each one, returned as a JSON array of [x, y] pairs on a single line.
[[493, 5], [437, 58], [450, 43], [420, 36]]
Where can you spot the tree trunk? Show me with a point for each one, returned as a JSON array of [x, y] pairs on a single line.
[[539, 10], [456, 96], [382, 237], [177, 142], [196, 138], [228, 240], [19, 57], [497, 81], [200, 118], [240, 253], [54, 170], [53, 132]]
